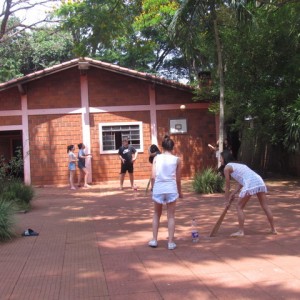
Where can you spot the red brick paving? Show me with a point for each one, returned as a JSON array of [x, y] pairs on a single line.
[[93, 245]]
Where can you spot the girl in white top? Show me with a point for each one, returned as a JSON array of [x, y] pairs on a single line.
[[166, 173], [72, 164], [249, 183]]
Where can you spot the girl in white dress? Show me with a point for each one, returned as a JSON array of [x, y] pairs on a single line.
[[166, 173], [249, 183]]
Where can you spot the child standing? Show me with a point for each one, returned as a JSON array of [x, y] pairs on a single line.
[[72, 164]]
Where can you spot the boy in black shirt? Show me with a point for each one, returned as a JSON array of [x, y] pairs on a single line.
[[128, 155]]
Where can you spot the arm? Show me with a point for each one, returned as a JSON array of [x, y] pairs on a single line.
[[153, 173], [212, 147], [72, 158], [122, 159], [83, 155], [229, 195], [135, 156], [178, 177]]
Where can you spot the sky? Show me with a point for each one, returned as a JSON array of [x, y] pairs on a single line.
[[32, 15]]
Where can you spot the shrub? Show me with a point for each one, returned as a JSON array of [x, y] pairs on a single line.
[[208, 182], [7, 220], [16, 191], [13, 168]]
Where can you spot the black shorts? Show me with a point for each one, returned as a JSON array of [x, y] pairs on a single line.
[[126, 167]]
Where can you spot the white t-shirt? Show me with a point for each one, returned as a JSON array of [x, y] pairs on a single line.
[[165, 174]]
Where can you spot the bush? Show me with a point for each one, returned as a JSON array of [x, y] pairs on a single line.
[[208, 182], [7, 220], [16, 191], [13, 168]]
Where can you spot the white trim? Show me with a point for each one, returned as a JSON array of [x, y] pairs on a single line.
[[85, 119], [104, 109], [54, 111], [153, 115], [11, 127], [140, 124], [5, 113], [25, 137]]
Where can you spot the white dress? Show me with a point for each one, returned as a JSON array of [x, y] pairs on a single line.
[[252, 183]]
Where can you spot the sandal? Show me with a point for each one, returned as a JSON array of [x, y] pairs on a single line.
[[30, 232]]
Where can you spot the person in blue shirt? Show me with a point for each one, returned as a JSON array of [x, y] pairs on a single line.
[[83, 171]]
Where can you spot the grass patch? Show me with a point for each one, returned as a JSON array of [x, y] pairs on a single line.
[[17, 192], [7, 219]]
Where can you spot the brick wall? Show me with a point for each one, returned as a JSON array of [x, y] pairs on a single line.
[[49, 137], [166, 95], [107, 88], [59, 90], [10, 99], [51, 134], [106, 167], [191, 147], [10, 120]]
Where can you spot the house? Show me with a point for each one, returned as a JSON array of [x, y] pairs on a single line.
[[97, 103]]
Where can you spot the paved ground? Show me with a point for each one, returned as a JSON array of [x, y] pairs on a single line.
[[93, 245]]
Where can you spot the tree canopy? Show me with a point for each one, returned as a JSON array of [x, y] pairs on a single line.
[[250, 48]]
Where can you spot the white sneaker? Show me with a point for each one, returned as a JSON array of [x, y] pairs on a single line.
[[152, 243], [171, 246]]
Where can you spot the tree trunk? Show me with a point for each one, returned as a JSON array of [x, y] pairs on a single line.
[[221, 78]]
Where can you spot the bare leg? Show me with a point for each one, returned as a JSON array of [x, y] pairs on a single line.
[[72, 180], [241, 216], [131, 179], [79, 177], [86, 173], [122, 176], [156, 219], [171, 220], [263, 203]]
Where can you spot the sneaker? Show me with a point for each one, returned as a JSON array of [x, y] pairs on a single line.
[[171, 246], [237, 234], [152, 243]]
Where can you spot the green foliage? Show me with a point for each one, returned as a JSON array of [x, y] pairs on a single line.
[[15, 191], [262, 72], [292, 127], [208, 182], [31, 51], [7, 220], [13, 168]]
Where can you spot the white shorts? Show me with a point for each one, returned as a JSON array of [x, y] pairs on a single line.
[[165, 198]]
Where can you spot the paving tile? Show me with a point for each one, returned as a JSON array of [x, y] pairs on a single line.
[[282, 289], [93, 246]]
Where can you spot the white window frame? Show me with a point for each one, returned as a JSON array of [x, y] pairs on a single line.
[[101, 125]]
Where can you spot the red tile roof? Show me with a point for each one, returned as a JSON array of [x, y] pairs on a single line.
[[97, 64]]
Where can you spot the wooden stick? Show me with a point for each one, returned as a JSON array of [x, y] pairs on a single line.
[[221, 218], [147, 188]]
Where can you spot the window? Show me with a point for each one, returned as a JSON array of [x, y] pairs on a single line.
[[112, 134]]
